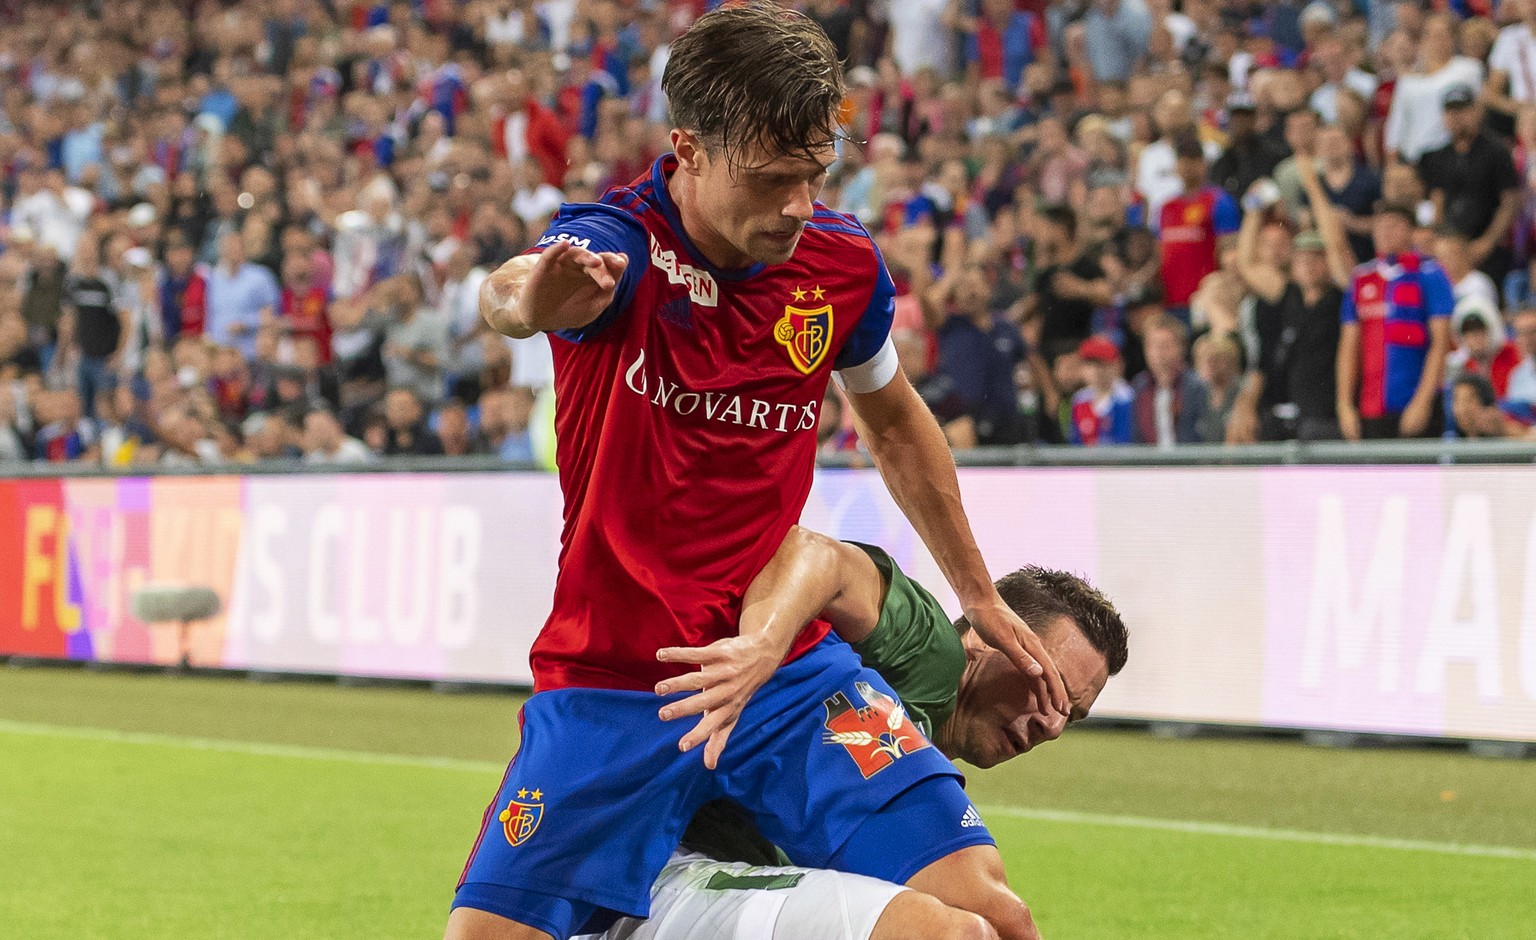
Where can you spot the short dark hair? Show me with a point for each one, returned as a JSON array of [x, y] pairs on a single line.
[[1486, 396], [1168, 323], [1187, 146], [1041, 595], [755, 73], [1059, 214]]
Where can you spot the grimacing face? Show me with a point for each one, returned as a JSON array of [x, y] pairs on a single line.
[[754, 212], [999, 716]]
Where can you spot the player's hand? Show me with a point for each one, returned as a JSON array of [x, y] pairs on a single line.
[[1349, 421], [573, 285], [1415, 418], [731, 671], [1002, 630], [1243, 426]]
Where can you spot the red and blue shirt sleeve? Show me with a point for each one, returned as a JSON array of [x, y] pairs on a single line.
[[1439, 295], [1347, 313], [867, 362], [600, 228]]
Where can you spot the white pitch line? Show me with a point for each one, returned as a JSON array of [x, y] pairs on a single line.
[[1258, 832], [1193, 827], [256, 748]]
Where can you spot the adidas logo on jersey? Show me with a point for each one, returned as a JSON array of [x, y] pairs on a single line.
[[971, 819]]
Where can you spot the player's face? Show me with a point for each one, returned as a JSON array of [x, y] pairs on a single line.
[[759, 209], [1392, 233], [999, 716]]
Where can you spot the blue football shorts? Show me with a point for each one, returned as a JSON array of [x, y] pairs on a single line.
[[598, 794]]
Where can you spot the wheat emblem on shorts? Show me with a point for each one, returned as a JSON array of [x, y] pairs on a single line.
[[876, 733]]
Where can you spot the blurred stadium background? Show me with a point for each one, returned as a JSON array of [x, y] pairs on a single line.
[[286, 396]]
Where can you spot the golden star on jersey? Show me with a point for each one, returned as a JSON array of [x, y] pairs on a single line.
[[805, 334]]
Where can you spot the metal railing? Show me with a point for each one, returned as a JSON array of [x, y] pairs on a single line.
[[1290, 453]]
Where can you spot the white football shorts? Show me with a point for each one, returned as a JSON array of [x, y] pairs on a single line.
[[698, 898]]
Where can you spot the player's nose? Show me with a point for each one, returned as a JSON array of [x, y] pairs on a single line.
[[1045, 725], [801, 205]]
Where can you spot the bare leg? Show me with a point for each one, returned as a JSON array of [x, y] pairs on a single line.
[[973, 879], [466, 923], [912, 915]]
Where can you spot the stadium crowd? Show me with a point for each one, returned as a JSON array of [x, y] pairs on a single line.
[[256, 230]]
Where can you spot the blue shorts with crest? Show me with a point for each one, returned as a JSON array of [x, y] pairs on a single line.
[[598, 794]]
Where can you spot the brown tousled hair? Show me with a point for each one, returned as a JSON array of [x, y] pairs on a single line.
[[1041, 595], [755, 73]]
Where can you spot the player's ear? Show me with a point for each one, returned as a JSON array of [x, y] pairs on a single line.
[[689, 152]]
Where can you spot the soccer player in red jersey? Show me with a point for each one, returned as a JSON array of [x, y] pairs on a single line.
[[696, 316]]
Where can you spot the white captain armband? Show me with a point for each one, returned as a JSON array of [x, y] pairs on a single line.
[[873, 375]]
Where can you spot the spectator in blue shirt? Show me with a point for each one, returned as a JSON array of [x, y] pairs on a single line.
[[241, 296], [978, 351]]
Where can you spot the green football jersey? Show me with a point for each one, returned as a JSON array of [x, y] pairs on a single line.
[[915, 647]]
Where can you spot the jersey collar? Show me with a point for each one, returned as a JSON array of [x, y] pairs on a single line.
[[661, 171]]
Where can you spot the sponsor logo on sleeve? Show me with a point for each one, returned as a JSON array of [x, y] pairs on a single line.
[[579, 242]]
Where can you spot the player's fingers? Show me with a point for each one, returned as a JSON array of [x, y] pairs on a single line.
[[583, 257], [687, 682], [615, 261], [696, 704], [1056, 689], [1048, 675], [705, 728], [554, 253], [716, 744], [1020, 657], [690, 654]]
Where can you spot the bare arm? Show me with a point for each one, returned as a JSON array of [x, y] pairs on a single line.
[[562, 288], [1265, 281], [1496, 92], [1503, 221], [1097, 291], [810, 575], [1243, 425], [918, 469], [1347, 372], [1341, 258], [1415, 418]]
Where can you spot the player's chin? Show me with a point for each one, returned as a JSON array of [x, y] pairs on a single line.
[[776, 248]]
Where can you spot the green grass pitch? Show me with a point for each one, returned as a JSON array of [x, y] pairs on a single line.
[[135, 806]]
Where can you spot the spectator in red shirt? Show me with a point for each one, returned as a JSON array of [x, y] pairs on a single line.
[[183, 292], [1482, 346], [527, 128], [1192, 228], [1002, 41], [305, 304]]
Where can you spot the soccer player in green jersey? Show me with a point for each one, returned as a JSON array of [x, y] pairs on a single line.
[[726, 880]]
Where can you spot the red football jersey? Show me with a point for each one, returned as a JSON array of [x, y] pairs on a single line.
[[686, 427], [1189, 230]]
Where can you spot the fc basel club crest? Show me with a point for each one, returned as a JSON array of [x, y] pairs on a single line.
[[522, 816], [806, 334], [875, 735]]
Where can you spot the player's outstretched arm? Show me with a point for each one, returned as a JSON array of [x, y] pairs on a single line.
[[809, 575], [914, 459], [562, 288]]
